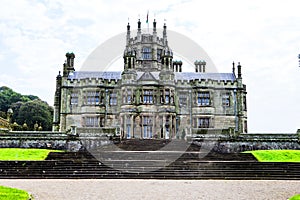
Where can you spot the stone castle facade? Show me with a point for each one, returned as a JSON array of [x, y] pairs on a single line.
[[151, 97]]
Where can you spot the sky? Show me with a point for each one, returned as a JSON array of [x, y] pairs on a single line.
[[264, 35]]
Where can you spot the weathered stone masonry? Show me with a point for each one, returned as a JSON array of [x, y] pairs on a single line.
[[152, 97]]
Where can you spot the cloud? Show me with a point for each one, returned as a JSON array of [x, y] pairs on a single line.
[[262, 35]]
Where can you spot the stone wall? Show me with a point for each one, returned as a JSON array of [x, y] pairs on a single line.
[[248, 142], [75, 142], [39, 139]]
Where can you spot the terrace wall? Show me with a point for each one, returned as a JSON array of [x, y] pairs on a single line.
[[76, 142]]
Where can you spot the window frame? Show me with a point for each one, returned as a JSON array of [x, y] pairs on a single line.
[[147, 53], [226, 99], [203, 98]]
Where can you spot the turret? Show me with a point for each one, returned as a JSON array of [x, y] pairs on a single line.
[[239, 71], [241, 101], [57, 100], [139, 32], [165, 34], [166, 60], [154, 44], [69, 64], [233, 68], [128, 35], [154, 27], [129, 59]]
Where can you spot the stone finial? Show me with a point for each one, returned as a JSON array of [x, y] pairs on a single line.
[[128, 27], [40, 128], [139, 24], [239, 70], [35, 126], [154, 24]]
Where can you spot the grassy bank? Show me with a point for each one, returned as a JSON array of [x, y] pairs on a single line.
[[276, 155], [296, 197], [7, 193], [24, 154]]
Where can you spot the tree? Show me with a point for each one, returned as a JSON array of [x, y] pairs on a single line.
[[8, 97], [35, 111], [16, 107], [26, 108]]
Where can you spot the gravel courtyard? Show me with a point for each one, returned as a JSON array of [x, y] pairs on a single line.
[[43, 189]]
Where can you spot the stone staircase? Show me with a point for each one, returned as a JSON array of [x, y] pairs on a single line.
[[146, 163]]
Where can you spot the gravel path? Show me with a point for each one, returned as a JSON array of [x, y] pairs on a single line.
[[43, 189]]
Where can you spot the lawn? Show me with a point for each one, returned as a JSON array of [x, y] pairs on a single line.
[[7, 193], [276, 155], [296, 197], [24, 154]]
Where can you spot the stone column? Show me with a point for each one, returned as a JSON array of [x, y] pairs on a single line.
[[142, 127], [170, 126], [124, 136], [164, 126], [131, 126], [153, 126]]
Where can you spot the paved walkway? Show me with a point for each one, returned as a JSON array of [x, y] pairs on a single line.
[[95, 189]]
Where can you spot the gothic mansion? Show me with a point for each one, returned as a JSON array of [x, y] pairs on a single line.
[[152, 97]]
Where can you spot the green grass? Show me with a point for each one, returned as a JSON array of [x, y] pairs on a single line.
[[276, 155], [7, 193], [24, 154], [295, 197]]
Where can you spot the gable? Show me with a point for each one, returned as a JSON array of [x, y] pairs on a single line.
[[147, 76]]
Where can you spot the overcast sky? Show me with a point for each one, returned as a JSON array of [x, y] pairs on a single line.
[[263, 35]]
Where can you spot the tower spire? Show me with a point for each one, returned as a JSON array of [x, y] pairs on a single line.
[[128, 33], [233, 68], [165, 33], [239, 70], [154, 25]]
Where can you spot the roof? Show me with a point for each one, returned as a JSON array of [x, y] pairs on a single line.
[[178, 75], [93, 74], [212, 76]]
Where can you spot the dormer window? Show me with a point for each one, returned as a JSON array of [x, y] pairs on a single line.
[[147, 53]]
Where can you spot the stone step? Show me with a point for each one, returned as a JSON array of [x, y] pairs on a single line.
[[190, 165], [148, 155]]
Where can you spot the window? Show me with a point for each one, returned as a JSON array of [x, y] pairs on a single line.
[[245, 127], [128, 127], [167, 126], [91, 122], [226, 100], [102, 121], [93, 98], [182, 99], [101, 98], [203, 99], [162, 99], [148, 97], [113, 99], [74, 98], [244, 103], [147, 127], [167, 96], [159, 54], [203, 123], [147, 53], [127, 97]]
